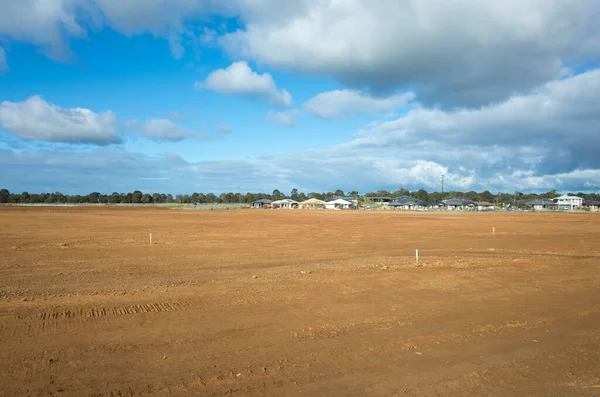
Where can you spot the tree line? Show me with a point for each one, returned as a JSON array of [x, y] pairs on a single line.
[[139, 197]]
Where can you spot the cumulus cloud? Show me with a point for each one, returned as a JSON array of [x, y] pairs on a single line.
[[39, 120], [459, 53], [50, 24], [47, 24], [161, 130], [558, 119], [453, 54], [338, 103], [3, 63], [287, 118], [546, 139], [240, 79]]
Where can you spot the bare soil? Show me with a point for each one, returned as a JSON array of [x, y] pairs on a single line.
[[297, 303]]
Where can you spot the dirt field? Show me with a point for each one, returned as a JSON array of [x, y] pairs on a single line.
[[297, 303]]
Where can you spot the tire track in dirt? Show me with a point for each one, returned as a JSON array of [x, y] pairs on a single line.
[[155, 307], [58, 320]]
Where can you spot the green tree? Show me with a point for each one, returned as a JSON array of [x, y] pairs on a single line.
[[339, 193], [4, 196], [146, 198], [277, 194], [211, 198], [114, 198], [549, 195], [422, 195], [24, 198], [136, 197], [487, 196], [94, 197], [294, 194]]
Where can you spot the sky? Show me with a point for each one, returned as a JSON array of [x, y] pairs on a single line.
[[181, 96]]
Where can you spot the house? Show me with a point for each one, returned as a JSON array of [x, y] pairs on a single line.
[[540, 204], [339, 204], [262, 203], [380, 199], [457, 203], [285, 204], [569, 202], [313, 204], [484, 206], [407, 203], [592, 205], [352, 199]]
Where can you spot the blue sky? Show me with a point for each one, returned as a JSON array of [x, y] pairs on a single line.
[[252, 95]]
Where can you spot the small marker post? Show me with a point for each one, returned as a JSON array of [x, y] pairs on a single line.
[[150, 238], [417, 255], [493, 230]]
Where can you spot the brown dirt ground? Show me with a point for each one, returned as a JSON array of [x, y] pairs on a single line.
[[298, 303]]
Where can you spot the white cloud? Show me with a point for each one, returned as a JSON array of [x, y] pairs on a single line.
[[240, 79], [46, 24], [465, 52], [338, 103], [460, 53], [548, 138], [223, 129], [3, 63], [287, 118], [39, 120], [50, 23], [162, 130], [177, 116]]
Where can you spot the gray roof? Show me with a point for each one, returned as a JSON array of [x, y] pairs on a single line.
[[591, 202], [539, 202], [406, 201], [458, 201], [262, 201]]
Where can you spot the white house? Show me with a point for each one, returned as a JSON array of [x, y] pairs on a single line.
[[338, 203], [285, 203], [569, 202]]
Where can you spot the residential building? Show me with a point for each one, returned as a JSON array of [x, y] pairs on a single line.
[[592, 205], [313, 204], [262, 203], [569, 202], [457, 203], [339, 204], [285, 204], [540, 204], [485, 206], [407, 203]]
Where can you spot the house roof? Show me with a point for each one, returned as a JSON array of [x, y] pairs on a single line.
[[340, 201], [406, 201], [262, 201], [484, 203], [285, 201], [591, 202], [539, 202], [313, 201], [458, 201], [565, 197]]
